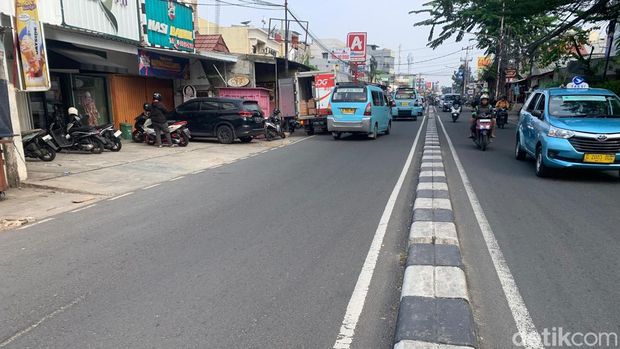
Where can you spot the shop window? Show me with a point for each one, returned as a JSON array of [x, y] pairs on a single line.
[[91, 99]]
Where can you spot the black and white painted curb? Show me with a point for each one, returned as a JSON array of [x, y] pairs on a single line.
[[435, 312]]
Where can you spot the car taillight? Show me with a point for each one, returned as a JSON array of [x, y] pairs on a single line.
[[329, 109], [245, 114], [368, 110]]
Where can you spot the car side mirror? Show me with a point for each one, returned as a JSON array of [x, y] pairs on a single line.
[[537, 113]]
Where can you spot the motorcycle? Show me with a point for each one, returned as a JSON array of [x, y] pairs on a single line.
[[273, 126], [482, 137], [455, 110], [138, 134], [76, 137], [179, 133], [38, 145], [502, 117], [110, 136]]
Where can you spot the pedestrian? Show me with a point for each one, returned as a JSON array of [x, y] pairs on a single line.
[[159, 120]]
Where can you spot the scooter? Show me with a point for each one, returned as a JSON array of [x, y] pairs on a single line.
[[138, 134], [111, 137], [482, 137], [273, 127], [456, 112], [502, 117], [179, 133], [75, 137], [38, 145]]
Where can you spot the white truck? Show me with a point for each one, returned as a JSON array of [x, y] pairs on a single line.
[[306, 98]]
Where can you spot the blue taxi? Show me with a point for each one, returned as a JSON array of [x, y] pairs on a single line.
[[407, 104], [574, 127]]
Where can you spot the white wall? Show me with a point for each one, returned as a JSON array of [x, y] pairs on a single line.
[[49, 10]]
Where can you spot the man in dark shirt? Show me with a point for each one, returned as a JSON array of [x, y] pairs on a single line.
[[159, 120]]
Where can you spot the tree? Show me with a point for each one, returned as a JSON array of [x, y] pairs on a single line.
[[458, 75]]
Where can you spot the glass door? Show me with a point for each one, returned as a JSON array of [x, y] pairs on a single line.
[[91, 98]]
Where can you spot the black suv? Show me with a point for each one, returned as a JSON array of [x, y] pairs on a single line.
[[224, 118]]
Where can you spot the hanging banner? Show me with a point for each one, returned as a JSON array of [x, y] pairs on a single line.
[[169, 24], [31, 44], [162, 66]]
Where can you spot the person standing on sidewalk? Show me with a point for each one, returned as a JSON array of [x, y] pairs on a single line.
[[159, 120]]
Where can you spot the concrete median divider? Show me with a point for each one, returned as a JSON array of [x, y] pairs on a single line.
[[435, 312]]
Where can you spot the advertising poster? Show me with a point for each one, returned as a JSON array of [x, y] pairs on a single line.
[[31, 44], [169, 24], [162, 66]]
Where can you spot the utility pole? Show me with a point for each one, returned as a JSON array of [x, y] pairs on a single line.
[[399, 46], [499, 52], [610, 40], [465, 70], [285, 38]]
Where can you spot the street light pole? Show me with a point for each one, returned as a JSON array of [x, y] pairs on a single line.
[[286, 38]]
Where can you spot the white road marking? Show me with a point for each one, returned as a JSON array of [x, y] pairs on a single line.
[[120, 196], [358, 298], [83, 208], [35, 223], [198, 172], [152, 186], [176, 179], [36, 324], [523, 320]]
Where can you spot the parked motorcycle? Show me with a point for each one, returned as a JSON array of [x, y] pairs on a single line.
[[111, 137], [455, 110], [179, 133], [38, 145], [273, 126], [82, 138], [482, 137], [501, 117]]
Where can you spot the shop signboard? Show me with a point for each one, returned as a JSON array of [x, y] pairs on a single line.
[[162, 66], [31, 44], [356, 42], [169, 24], [115, 18]]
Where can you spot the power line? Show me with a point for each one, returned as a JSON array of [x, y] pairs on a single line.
[[436, 58]]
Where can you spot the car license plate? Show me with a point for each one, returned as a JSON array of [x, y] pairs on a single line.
[[600, 158], [117, 134], [47, 138], [404, 104], [347, 110]]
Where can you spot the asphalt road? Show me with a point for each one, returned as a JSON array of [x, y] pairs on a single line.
[[559, 237], [261, 253]]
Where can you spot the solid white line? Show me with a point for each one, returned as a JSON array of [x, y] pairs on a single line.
[[176, 179], [301, 140], [36, 324], [120, 196], [83, 208], [523, 320], [35, 223], [198, 172], [152, 186], [358, 298]]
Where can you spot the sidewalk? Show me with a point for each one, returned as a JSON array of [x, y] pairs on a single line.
[[74, 180]]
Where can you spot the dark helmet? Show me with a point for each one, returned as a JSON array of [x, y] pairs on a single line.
[[157, 96], [146, 107]]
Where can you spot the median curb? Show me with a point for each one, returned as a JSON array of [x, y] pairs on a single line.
[[434, 312]]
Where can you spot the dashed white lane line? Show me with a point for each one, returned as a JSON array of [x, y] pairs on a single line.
[[152, 186], [358, 298], [523, 320], [176, 179], [36, 324], [35, 223], [120, 196], [83, 208]]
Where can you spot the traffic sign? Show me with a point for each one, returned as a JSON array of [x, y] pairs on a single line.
[[356, 42]]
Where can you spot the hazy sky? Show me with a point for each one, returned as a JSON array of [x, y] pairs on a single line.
[[387, 22]]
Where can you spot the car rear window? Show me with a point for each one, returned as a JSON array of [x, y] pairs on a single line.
[[349, 94], [584, 106], [404, 94]]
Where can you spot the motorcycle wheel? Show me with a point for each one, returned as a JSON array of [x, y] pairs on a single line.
[[269, 134], [137, 136], [97, 146], [484, 142], [282, 135], [48, 153], [247, 139], [116, 145], [454, 118], [183, 140]]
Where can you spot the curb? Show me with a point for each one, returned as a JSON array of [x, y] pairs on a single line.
[[434, 311]]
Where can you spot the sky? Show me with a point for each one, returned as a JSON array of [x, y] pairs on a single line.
[[388, 24]]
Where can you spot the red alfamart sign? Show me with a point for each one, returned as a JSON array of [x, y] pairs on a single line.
[[356, 42]]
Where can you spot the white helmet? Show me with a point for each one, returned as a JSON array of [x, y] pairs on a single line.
[[73, 111], [484, 96]]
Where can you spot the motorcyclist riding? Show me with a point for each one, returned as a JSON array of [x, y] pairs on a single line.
[[483, 109], [502, 103]]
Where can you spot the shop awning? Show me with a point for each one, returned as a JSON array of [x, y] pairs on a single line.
[[90, 61], [213, 56]]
